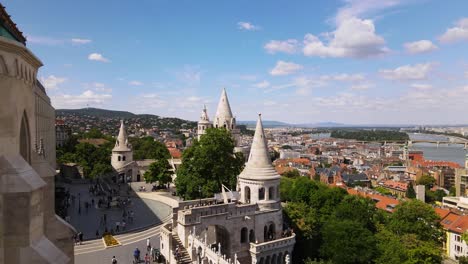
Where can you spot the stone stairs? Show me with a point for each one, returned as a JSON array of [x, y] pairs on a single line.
[[184, 255]]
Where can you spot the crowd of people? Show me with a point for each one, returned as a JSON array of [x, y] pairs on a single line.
[[152, 254]]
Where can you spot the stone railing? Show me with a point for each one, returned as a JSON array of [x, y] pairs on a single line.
[[273, 245], [199, 248]]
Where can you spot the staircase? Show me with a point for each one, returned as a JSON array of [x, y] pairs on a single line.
[[184, 255]]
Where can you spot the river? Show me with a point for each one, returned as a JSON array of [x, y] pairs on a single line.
[[455, 153]]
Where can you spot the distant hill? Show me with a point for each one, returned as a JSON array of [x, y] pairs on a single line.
[[96, 112]]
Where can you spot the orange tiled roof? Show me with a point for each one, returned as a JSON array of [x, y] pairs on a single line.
[[436, 163], [460, 225], [382, 202], [442, 212], [402, 186], [282, 170], [175, 153]]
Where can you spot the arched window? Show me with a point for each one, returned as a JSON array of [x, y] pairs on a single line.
[[118, 158], [271, 232], [271, 193], [265, 233], [252, 236], [123, 158], [261, 194], [244, 234], [25, 141], [247, 194]]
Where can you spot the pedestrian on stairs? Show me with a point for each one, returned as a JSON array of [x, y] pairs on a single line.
[[148, 244]]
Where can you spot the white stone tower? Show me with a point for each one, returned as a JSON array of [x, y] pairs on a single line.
[[466, 161], [122, 153], [203, 123], [259, 181], [224, 117]]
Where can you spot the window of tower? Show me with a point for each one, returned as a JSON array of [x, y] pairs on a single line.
[[123, 158], [247, 194], [261, 194], [252, 236], [271, 193], [244, 234], [119, 158], [25, 141]]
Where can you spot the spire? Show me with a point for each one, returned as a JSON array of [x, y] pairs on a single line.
[[121, 144], [122, 138], [259, 156], [259, 164], [204, 115], [224, 109]]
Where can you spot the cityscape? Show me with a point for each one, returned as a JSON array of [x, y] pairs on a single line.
[[266, 132]]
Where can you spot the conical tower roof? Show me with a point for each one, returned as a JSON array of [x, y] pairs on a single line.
[[122, 140], [204, 119], [224, 109], [259, 164]]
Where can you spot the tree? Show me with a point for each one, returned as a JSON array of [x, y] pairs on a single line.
[[159, 171], [427, 181], [207, 164], [418, 218], [148, 148], [410, 192], [292, 174], [347, 241]]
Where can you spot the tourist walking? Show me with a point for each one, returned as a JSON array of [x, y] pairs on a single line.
[[148, 244], [147, 259], [136, 255], [114, 260]]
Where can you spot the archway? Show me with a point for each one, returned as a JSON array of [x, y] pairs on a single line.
[[244, 235], [273, 259], [261, 194], [261, 261], [268, 260], [25, 139], [218, 235], [265, 233], [280, 258], [271, 231], [247, 194]]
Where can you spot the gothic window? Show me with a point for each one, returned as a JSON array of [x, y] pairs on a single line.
[[25, 141], [261, 194], [271, 193], [252, 236], [118, 158], [244, 234], [123, 158], [247, 194], [265, 233]]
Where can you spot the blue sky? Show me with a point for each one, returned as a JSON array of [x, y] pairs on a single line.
[[349, 61]]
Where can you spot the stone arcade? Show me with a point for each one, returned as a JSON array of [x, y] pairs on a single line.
[[30, 231], [248, 230]]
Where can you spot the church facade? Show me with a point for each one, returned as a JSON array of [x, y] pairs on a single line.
[[30, 231], [246, 227]]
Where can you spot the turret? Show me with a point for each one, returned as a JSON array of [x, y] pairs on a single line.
[[203, 123], [224, 117], [259, 181], [122, 153]]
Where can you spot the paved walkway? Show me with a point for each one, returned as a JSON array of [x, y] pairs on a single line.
[[147, 212], [93, 251]]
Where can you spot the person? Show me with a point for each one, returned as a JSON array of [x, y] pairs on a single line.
[[123, 224], [136, 255], [114, 260], [80, 236], [147, 259]]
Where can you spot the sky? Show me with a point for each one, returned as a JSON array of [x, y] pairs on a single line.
[[346, 61]]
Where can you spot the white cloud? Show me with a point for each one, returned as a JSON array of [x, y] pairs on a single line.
[[135, 83], [359, 8], [263, 84], [361, 86], [190, 75], [247, 26], [52, 82], [421, 86], [41, 40], [101, 87], [354, 38], [287, 46], [457, 33], [80, 41], [408, 72], [97, 57], [302, 84], [285, 68], [421, 46], [344, 77], [88, 97]]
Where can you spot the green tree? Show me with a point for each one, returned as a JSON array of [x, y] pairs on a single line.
[[347, 241], [207, 164], [292, 174], [159, 171], [148, 148], [100, 169], [418, 218], [427, 181], [410, 192]]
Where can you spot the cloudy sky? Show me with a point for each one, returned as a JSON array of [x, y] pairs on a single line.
[[349, 61]]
